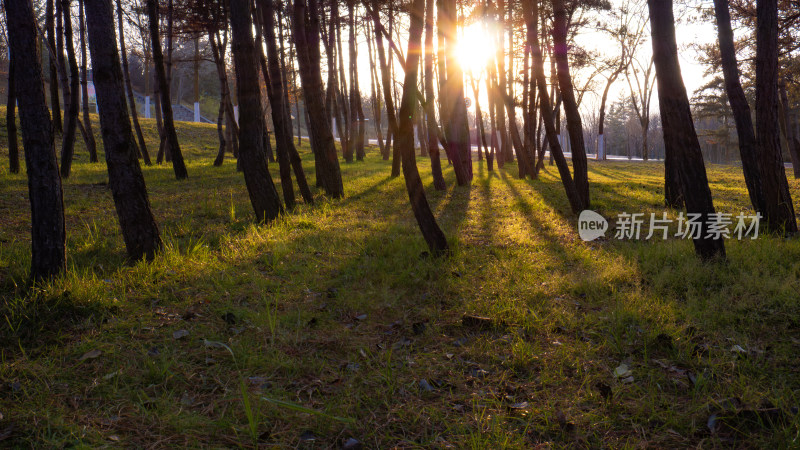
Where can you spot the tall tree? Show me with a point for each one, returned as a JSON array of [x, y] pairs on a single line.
[[263, 195], [139, 229], [11, 121], [778, 208], [430, 112], [91, 145], [48, 234], [71, 125], [680, 137], [129, 87], [306, 35], [437, 243], [55, 103], [178, 166], [741, 109]]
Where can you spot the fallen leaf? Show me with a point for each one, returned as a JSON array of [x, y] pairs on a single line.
[[622, 371], [91, 354]]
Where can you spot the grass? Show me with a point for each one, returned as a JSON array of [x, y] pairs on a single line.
[[323, 326]]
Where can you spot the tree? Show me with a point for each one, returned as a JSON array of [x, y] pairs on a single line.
[[306, 35], [48, 234], [55, 104], [739, 105], [88, 133], [178, 165], [680, 137], [71, 125], [129, 87], [263, 195], [430, 113], [437, 243], [778, 208], [139, 229], [11, 121]]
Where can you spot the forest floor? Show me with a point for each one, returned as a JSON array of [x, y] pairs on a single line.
[[333, 327]]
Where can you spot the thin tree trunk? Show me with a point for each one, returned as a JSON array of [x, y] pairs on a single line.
[[71, 125], [173, 146], [11, 121], [55, 103], [91, 145], [680, 137], [778, 208], [574, 125], [263, 195], [125, 178], [437, 243], [791, 140], [129, 89], [430, 112], [308, 54], [48, 235]]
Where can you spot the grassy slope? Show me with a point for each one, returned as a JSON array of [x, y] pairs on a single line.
[[297, 292]]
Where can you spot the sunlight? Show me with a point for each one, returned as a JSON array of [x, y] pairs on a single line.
[[475, 48]]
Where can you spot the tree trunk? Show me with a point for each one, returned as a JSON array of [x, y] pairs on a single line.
[[680, 137], [308, 55], [55, 103], [71, 125], [91, 145], [574, 125], [778, 208], [263, 195], [48, 235], [11, 121], [376, 101], [456, 128], [437, 243], [786, 126], [125, 178], [531, 10], [430, 113], [129, 89], [173, 146]]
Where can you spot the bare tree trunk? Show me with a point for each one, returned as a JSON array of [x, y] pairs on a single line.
[[91, 145], [456, 128], [306, 36], [430, 113], [125, 178], [387, 85], [680, 137], [778, 208], [173, 146], [263, 195], [376, 100], [437, 243], [129, 88], [68, 142], [791, 140], [574, 125], [11, 121], [531, 10], [55, 103], [48, 235]]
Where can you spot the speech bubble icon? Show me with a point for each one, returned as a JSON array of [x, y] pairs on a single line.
[[591, 225]]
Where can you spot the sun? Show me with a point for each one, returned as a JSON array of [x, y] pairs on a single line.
[[475, 48]]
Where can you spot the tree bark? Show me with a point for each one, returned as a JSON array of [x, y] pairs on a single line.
[[129, 89], [55, 103], [308, 55], [125, 178], [91, 145], [574, 125], [437, 243], [263, 195], [791, 139], [48, 235], [680, 137], [430, 112], [173, 146], [11, 121], [778, 208], [71, 125], [531, 10], [386, 82]]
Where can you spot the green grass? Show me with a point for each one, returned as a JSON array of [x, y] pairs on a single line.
[[323, 306]]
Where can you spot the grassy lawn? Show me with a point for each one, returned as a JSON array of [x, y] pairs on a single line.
[[333, 324]]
